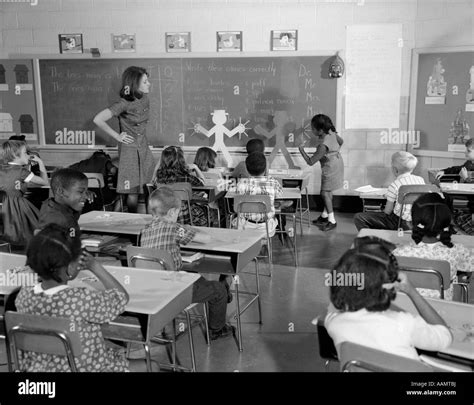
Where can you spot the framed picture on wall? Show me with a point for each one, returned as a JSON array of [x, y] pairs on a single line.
[[70, 43], [284, 40], [123, 43], [228, 41], [178, 41]]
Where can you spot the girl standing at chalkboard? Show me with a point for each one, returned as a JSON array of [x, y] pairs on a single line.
[[332, 166], [136, 162]]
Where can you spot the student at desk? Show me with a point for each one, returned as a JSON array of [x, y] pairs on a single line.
[[19, 216], [165, 234], [253, 145], [361, 313]]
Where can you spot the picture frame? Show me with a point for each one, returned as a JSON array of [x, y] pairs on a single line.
[[178, 41], [124, 43], [284, 40], [71, 43], [229, 41]]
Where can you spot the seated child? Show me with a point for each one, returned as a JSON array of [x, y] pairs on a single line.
[[56, 257], [69, 188], [361, 313], [99, 162], [20, 216], [166, 234], [253, 145], [463, 220], [33, 165], [403, 164], [205, 160], [258, 184], [432, 240], [173, 169]]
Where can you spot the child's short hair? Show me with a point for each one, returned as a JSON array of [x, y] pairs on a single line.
[[373, 259], [469, 143], [65, 179], [255, 145], [404, 161], [162, 200], [12, 149], [431, 216], [205, 158], [51, 249], [256, 164]]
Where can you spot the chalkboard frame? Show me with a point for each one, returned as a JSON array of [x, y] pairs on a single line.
[[416, 52], [293, 150]]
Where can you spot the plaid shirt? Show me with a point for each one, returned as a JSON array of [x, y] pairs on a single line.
[[166, 235], [259, 185]]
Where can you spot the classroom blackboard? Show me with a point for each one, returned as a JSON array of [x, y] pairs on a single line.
[[186, 91], [452, 73]]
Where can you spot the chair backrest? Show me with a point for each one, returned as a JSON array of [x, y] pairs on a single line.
[[354, 357], [147, 191], [147, 258], [95, 180], [327, 350], [184, 191], [408, 194], [43, 334], [426, 273], [252, 204]]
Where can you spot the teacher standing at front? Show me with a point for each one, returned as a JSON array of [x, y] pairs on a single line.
[[332, 166], [136, 161]]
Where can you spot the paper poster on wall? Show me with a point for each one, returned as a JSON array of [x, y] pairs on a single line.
[[459, 133], [470, 92], [3, 79], [373, 76], [436, 86]]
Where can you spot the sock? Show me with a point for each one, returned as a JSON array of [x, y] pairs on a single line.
[[331, 218], [324, 214]]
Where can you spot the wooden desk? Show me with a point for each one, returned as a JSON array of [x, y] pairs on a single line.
[[289, 178], [458, 316], [213, 189], [121, 223], [395, 238], [373, 201], [288, 194], [465, 189], [229, 252]]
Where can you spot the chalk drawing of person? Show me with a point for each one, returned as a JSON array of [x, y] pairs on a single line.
[[219, 117], [280, 119]]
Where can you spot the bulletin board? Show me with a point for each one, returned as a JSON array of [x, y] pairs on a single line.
[[442, 97], [18, 100]]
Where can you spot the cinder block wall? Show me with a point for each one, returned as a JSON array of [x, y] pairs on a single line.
[[321, 24]]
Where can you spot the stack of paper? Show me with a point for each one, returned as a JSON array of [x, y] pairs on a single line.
[[370, 189], [189, 257]]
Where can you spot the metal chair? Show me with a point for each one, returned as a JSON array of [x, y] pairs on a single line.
[[148, 190], [8, 305], [184, 192], [162, 260], [358, 358], [255, 204], [304, 209], [96, 181], [426, 273], [408, 194], [42, 334]]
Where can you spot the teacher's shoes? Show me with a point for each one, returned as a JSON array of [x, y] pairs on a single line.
[[321, 221], [328, 226]]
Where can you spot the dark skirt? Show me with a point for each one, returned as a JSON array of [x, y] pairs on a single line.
[[20, 219], [332, 172]]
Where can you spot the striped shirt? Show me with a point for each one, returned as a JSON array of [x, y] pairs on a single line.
[[392, 193], [259, 185]]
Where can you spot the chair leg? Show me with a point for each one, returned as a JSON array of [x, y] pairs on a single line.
[[294, 241], [208, 338], [191, 342], [300, 204], [147, 357], [307, 209], [239, 326], [257, 276]]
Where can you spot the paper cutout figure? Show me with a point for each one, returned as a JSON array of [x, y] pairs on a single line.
[[280, 120], [219, 117], [6, 122], [3, 79], [459, 132], [470, 91], [21, 72], [26, 124], [436, 85]]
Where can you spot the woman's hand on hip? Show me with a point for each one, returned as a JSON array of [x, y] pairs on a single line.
[[126, 138]]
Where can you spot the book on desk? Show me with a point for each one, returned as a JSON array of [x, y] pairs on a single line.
[[97, 241]]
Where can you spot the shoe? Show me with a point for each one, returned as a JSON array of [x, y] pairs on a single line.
[[226, 331], [224, 281], [321, 221], [328, 226]]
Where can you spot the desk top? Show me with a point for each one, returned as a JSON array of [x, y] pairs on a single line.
[[226, 240], [393, 236], [458, 316], [114, 222], [288, 194], [379, 193], [457, 188]]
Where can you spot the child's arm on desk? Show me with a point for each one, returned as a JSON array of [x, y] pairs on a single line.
[[201, 237]]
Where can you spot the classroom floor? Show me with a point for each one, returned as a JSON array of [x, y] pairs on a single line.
[[291, 299]]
